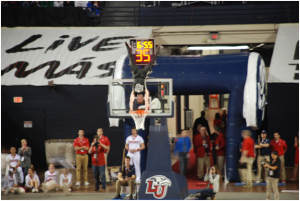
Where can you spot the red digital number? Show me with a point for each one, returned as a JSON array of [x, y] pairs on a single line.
[[139, 55], [146, 55]]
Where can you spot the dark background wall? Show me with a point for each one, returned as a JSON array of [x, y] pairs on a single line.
[[57, 116], [283, 115]]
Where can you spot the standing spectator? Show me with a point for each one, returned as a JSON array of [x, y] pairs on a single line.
[[13, 161], [51, 179], [32, 181], [65, 180], [25, 153], [264, 148], [280, 146], [81, 146], [220, 144], [213, 176], [68, 3], [273, 177], [182, 148], [217, 122], [104, 140], [36, 4], [134, 144], [98, 163], [202, 146], [224, 120], [296, 160], [201, 120], [125, 177], [81, 4], [247, 156], [58, 4], [47, 4], [25, 3]]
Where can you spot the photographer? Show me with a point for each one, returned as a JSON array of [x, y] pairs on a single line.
[[264, 154], [273, 176], [213, 176], [98, 163]]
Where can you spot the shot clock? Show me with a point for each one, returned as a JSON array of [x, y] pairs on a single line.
[[142, 50]]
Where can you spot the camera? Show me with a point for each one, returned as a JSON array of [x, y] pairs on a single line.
[[96, 144], [264, 162]]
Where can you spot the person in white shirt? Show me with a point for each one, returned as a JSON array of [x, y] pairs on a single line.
[[51, 179], [32, 181], [65, 180], [134, 144], [81, 4], [13, 164]]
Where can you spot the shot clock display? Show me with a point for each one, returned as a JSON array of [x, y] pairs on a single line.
[[142, 50]]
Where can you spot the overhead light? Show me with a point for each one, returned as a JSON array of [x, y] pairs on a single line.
[[241, 47]]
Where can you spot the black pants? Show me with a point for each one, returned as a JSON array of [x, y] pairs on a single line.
[[204, 193], [141, 73], [183, 161]]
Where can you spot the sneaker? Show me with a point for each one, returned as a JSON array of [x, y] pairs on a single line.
[[33, 190], [77, 183], [283, 181], [44, 188], [70, 189], [86, 183], [117, 197], [109, 183], [258, 181], [36, 190]]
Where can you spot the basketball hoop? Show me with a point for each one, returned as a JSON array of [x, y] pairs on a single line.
[[139, 118]]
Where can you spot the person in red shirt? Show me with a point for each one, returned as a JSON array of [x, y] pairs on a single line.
[[217, 123], [247, 156], [220, 146], [81, 146], [280, 146], [104, 140], [98, 163], [223, 118], [296, 160], [202, 145]]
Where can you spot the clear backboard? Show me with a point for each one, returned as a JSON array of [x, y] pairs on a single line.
[[160, 99]]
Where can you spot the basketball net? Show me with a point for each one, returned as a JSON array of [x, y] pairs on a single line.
[[139, 117]]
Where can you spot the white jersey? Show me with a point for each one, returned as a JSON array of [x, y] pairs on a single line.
[[67, 179], [134, 143], [51, 176], [13, 160], [28, 178]]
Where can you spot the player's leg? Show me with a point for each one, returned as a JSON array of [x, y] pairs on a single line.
[[106, 170], [21, 175], [274, 185], [85, 167], [96, 176], [207, 161], [102, 175], [266, 169], [201, 164], [78, 168], [259, 166], [137, 159], [282, 168]]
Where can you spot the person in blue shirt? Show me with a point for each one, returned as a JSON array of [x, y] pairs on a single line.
[[92, 5], [264, 146], [182, 148]]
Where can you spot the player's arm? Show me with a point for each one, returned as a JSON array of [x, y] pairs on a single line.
[[120, 176], [142, 146], [146, 99], [103, 145], [129, 53], [126, 146], [131, 101], [265, 145]]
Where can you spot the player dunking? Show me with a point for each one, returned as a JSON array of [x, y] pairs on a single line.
[[139, 88], [134, 144]]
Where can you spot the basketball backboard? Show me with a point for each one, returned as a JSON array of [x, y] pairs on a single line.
[[160, 99]]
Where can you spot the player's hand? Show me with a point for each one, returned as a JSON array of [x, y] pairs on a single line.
[[128, 46], [121, 179], [126, 179], [204, 141], [93, 143], [210, 172], [131, 150]]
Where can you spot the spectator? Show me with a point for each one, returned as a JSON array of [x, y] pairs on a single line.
[[273, 177], [51, 180], [25, 3], [92, 5], [13, 160], [220, 144], [81, 146], [213, 176], [217, 122], [58, 4], [98, 163], [182, 148], [68, 3], [247, 156], [25, 153], [47, 4], [280, 146], [104, 140], [134, 144], [81, 4], [201, 120], [202, 146], [32, 180], [11, 184], [125, 177], [296, 160], [36, 4], [264, 147], [223, 117], [65, 180]]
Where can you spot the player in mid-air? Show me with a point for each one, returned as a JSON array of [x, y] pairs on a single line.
[[139, 88]]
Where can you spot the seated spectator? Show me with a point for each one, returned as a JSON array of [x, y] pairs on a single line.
[[25, 153], [32, 181], [92, 5], [213, 176], [51, 180], [81, 4], [217, 122], [125, 177], [25, 3], [13, 161], [36, 4], [11, 185], [66, 180], [47, 4], [68, 3], [58, 4]]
